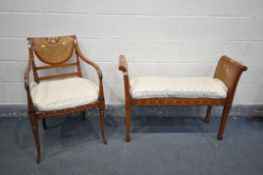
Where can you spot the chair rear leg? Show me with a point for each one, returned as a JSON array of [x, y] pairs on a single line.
[[102, 109], [83, 115], [223, 122], [128, 123], [34, 126], [208, 114], [44, 123]]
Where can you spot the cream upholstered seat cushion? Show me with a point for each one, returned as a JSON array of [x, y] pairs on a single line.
[[186, 87], [63, 93]]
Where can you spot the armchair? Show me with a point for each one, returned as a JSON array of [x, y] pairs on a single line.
[[63, 93]]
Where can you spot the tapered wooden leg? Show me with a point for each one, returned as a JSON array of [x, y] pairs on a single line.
[[223, 123], [83, 115], [44, 123], [34, 126], [208, 114], [102, 126], [128, 123]]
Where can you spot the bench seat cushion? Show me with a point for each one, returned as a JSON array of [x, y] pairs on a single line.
[[63, 93], [186, 87]]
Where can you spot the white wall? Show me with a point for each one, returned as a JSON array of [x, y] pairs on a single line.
[[159, 37]]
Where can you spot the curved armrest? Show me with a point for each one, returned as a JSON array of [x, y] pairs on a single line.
[[27, 71], [26, 81], [79, 53], [85, 59]]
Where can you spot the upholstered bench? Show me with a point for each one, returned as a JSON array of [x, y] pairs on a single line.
[[183, 91]]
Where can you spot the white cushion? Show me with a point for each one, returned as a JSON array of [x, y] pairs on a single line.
[[186, 87], [63, 93]]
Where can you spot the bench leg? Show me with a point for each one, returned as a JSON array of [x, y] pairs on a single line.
[[223, 123], [208, 114], [128, 123]]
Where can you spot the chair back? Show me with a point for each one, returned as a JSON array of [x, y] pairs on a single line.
[[55, 52]]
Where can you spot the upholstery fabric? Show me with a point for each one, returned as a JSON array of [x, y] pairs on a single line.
[[63, 93], [185, 87]]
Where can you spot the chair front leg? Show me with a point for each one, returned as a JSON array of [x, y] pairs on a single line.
[[223, 122], [34, 126], [102, 127]]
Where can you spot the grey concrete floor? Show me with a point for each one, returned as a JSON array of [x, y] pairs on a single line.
[[159, 145]]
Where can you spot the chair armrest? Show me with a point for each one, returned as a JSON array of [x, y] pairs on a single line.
[[26, 81], [27, 71], [85, 59]]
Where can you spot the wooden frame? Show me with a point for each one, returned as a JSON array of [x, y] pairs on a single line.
[[62, 47], [227, 70]]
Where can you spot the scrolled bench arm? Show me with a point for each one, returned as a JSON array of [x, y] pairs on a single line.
[[123, 66], [229, 71]]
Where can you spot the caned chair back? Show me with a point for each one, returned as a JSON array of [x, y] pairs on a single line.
[[55, 52]]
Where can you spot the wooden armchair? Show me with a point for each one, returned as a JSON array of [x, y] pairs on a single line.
[[64, 93], [194, 91]]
